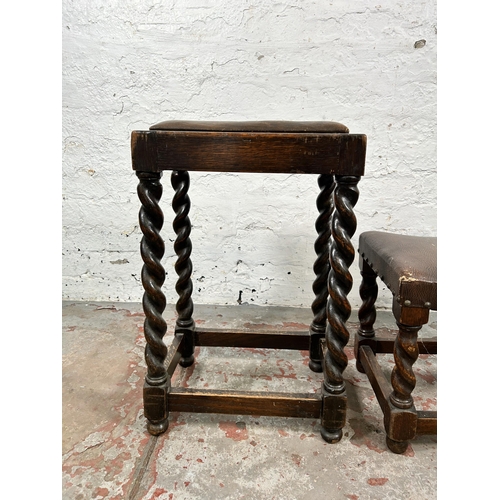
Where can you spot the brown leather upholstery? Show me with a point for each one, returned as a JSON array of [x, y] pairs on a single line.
[[406, 264], [253, 126]]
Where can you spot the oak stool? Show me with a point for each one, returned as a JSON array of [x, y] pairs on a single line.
[[408, 266], [326, 149]]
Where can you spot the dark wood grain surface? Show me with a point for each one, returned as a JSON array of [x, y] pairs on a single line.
[[286, 153]]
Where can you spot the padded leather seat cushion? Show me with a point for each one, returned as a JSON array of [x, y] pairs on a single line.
[[406, 264], [253, 126]]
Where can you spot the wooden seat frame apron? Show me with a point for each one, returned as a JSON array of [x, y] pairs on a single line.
[[338, 158]]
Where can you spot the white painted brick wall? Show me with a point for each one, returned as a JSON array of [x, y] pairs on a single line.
[[130, 64]]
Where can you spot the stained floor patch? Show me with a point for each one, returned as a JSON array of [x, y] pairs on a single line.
[[108, 454]]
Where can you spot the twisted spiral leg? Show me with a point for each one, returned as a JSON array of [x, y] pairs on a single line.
[[340, 282], [321, 268], [367, 314], [157, 381], [405, 354], [182, 246], [368, 291], [338, 307]]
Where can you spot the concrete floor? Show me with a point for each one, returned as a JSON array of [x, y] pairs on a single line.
[[107, 453]]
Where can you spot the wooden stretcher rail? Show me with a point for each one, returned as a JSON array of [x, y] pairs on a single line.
[[174, 354], [427, 422], [298, 340], [377, 379], [272, 404], [385, 345]]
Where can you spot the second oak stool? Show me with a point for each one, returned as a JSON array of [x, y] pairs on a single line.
[[326, 149], [408, 266]]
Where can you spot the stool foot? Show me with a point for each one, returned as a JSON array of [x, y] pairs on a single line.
[[315, 366], [396, 446], [185, 362], [157, 428], [331, 436]]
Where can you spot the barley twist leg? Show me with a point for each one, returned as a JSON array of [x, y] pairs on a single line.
[[367, 314], [405, 354], [338, 307], [321, 268], [184, 268], [157, 381], [402, 423]]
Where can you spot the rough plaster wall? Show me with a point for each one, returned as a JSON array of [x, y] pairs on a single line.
[[130, 64]]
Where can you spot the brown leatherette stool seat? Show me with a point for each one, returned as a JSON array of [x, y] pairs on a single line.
[[255, 126], [326, 149], [408, 266]]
